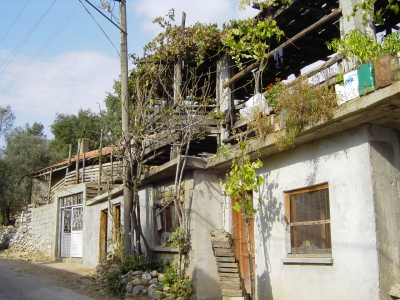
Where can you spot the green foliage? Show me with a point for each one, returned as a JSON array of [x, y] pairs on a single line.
[[114, 283], [139, 262], [180, 287], [243, 178], [196, 42], [217, 115], [178, 239], [125, 264], [247, 39], [26, 150], [6, 119], [356, 46], [339, 78], [367, 8], [111, 118], [302, 104], [68, 129], [272, 91], [261, 3]]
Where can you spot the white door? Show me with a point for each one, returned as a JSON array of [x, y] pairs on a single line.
[[71, 231], [76, 234], [66, 232]]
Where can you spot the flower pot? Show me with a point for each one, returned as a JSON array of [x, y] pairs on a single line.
[[386, 70], [350, 85], [366, 78]]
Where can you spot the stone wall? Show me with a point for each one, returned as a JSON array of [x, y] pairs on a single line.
[[35, 239]]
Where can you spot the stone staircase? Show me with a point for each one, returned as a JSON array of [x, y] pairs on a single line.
[[228, 267]]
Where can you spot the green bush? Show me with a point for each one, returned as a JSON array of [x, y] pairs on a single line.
[[179, 287], [139, 262], [114, 283]]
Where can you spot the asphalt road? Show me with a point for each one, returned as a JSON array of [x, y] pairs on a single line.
[[17, 285]]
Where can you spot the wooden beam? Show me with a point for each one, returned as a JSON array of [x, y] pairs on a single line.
[[302, 33]]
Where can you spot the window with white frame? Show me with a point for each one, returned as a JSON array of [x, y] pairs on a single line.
[[309, 224]]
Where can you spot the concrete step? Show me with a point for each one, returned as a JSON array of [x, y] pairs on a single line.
[[227, 265], [230, 292], [225, 258], [69, 260]]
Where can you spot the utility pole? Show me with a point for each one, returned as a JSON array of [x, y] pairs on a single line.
[[125, 126]]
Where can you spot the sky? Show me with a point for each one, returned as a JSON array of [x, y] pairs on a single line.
[[54, 58]]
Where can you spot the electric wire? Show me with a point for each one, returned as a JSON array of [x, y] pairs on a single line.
[[100, 28], [140, 12], [41, 49], [14, 21], [23, 41]]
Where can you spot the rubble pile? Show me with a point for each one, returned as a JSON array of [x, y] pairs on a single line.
[[6, 234], [29, 245]]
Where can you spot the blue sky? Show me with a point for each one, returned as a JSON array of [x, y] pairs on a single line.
[[61, 61]]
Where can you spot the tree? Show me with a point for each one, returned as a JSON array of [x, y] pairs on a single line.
[[26, 150], [68, 129], [6, 119]]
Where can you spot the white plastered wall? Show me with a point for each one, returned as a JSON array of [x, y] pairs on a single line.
[[343, 162]]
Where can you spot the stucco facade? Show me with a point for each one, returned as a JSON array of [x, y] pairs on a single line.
[[343, 161]]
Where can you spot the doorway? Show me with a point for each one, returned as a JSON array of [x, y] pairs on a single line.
[[103, 234], [71, 231], [239, 240]]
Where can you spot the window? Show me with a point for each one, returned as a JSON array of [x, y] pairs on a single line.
[[308, 217], [165, 222]]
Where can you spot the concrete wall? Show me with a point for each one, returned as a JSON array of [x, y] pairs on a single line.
[[91, 230], [343, 161], [205, 206], [91, 224], [206, 211], [385, 163], [43, 225]]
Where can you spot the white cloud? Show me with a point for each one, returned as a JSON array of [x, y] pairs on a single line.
[[205, 11], [63, 83]]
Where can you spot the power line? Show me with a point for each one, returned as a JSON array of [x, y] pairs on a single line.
[[14, 21], [41, 49], [140, 12], [100, 28], [23, 41]]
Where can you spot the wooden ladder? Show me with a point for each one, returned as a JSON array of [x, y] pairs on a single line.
[[232, 283]]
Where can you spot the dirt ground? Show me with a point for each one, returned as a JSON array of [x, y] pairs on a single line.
[[71, 276]]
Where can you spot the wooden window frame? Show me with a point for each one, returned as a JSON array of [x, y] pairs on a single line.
[[165, 211], [290, 224]]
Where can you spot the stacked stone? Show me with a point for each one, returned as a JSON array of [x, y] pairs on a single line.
[[25, 242], [140, 283]]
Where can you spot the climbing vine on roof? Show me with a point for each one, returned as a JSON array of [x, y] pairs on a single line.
[[242, 39], [248, 39], [195, 42]]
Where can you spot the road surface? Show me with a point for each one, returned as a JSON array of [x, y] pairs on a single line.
[[16, 284]]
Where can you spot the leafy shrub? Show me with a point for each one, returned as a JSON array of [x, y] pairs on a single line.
[[364, 48], [114, 283], [300, 104], [180, 287], [139, 262]]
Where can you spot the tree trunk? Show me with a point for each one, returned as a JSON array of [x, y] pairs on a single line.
[[249, 253]]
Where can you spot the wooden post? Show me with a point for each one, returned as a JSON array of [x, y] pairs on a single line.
[[77, 163], [50, 177], [83, 167], [69, 158], [178, 68], [100, 156], [112, 164]]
